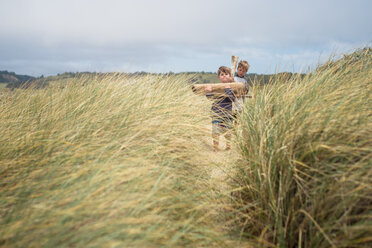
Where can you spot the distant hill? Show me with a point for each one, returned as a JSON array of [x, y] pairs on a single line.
[[12, 78]]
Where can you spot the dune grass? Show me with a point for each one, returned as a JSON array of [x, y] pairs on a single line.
[[109, 161], [125, 161], [305, 174]]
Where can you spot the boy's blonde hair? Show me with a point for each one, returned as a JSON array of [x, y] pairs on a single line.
[[224, 69], [243, 64]]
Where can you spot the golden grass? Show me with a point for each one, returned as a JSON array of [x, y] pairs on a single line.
[[121, 161], [305, 179], [107, 161]]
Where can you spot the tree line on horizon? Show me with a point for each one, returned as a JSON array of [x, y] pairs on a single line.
[[13, 80]]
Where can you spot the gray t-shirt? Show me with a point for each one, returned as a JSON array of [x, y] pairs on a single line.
[[241, 80], [238, 103]]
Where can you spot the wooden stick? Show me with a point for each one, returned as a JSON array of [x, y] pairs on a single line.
[[234, 63], [237, 88]]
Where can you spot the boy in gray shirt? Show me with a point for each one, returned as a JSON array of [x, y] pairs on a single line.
[[243, 67]]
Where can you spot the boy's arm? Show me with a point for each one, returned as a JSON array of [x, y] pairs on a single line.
[[246, 85], [210, 96], [209, 93]]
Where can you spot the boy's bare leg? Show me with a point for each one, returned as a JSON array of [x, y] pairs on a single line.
[[215, 141], [228, 140], [215, 135]]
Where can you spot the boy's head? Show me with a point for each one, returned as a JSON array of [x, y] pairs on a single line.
[[243, 67], [224, 74]]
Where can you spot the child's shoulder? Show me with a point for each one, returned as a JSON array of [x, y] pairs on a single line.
[[240, 79]]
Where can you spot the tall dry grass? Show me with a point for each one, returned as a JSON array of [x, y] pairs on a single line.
[[111, 161], [305, 176], [121, 161]]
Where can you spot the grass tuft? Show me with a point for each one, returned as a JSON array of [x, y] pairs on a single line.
[[109, 161], [305, 175]]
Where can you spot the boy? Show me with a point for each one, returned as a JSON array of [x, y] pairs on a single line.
[[243, 67], [222, 109]]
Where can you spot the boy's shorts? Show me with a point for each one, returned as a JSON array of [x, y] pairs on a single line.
[[221, 126]]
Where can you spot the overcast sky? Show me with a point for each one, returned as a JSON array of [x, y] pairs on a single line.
[[54, 36]]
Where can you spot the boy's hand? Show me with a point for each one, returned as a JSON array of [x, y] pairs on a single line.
[[227, 86], [208, 88]]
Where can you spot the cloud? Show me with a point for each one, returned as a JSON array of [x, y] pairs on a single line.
[[179, 35]]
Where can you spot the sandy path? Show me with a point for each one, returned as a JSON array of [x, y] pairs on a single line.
[[221, 172]]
